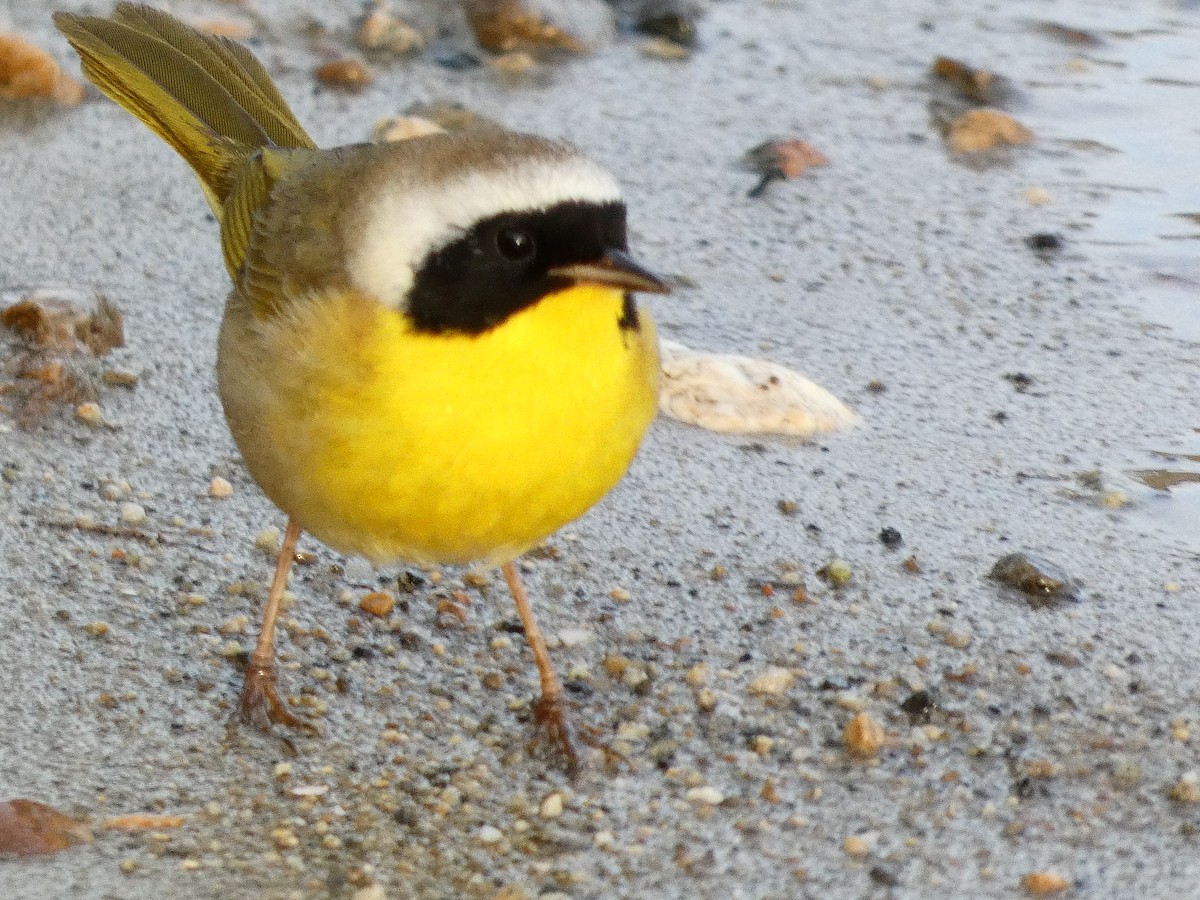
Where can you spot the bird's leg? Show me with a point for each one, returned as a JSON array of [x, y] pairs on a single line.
[[550, 711], [260, 704]]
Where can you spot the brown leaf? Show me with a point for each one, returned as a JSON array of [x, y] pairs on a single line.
[[28, 828], [57, 323], [504, 25], [62, 340], [29, 71], [103, 330], [48, 322]]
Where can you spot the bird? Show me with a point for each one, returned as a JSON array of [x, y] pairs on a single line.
[[431, 352]]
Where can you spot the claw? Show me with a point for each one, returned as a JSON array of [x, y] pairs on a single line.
[[261, 705], [554, 728]]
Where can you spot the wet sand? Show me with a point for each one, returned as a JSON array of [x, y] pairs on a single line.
[[993, 384]]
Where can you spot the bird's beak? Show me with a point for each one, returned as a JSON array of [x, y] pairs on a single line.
[[615, 268]]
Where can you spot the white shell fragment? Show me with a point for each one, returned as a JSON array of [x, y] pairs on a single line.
[[741, 395]]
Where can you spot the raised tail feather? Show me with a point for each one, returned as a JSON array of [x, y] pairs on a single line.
[[205, 95]]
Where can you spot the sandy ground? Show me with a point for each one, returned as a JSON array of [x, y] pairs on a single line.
[[1056, 734]]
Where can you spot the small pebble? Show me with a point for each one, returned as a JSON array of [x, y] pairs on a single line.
[[634, 677], [403, 128], [1036, 196], [1115, 500], [513, 64], [1186, 789], [1044, 242], [377, 603], [111, 491], [1040, 580], [985, 129], [863, 736], [1127, 774], [633, 731], [707, 795], [89, 414], [620, 595], [267, 540], [574, 637], [959, 640], [661, 48], [384, 32], [856, 846], [348, 74], [773, 682], [1044, 884], [668, 19], [837, 573], [301, 791], [490, 834], [236, 625], [132, 513], [120, 378], [552, 806], [220, 488]]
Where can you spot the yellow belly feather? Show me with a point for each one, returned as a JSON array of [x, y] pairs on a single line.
[[438, 449]]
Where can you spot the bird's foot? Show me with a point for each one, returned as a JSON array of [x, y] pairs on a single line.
[[260, 704], [554, 730]]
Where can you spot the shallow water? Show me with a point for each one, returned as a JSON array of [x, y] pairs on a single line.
[[1132, 101]]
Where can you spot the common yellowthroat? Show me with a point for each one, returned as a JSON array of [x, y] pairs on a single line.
[[431, 352]]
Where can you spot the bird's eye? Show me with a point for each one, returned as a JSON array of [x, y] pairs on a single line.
[[515, 244]]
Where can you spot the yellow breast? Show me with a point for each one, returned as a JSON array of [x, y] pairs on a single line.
[[438, 448]]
